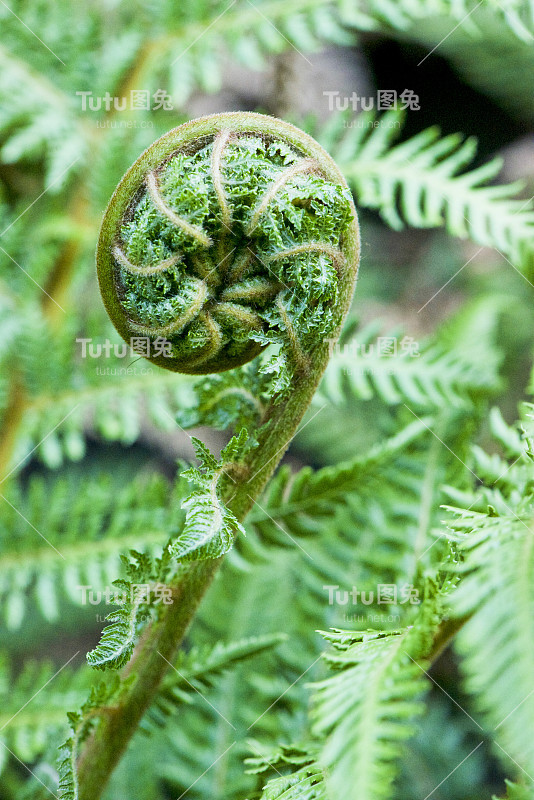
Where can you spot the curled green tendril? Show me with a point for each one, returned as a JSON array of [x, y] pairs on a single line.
[[228, 234]]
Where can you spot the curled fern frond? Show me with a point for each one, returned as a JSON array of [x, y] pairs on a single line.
[[228, 234]]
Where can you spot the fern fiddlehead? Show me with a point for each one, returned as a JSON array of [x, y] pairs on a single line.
[[230, 233], [222, 238]]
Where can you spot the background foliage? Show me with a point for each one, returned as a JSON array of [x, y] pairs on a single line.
[[381, 705]]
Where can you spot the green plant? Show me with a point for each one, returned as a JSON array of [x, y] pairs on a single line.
[[228, 255], [246, 225]]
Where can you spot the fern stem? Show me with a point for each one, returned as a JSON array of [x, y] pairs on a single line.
[[445, 634], [103, 749]]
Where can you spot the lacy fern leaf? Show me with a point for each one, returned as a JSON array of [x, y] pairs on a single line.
[[52, 545], [305, 783], [299, 504], [210, 527], [494, 542], [145, 576], [27, 730], [497, 641], [425, 375], [423, 182], [194, 672], [365, 710], [230, 399]]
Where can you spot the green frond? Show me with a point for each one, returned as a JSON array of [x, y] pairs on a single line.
[[503, 483], [138, 596], [305, 783], [490, 58], [249, 34], [506, 435], [28, 728], [424, 375], [230, 399], [115, 397], [366, 709], [421, 20], [497, 641], [298, 505], [492, 531], [194, 673], [39, 122], [224, 703], [271, 582], [425, 182], [210, 527], [60, 542], [48, 121]]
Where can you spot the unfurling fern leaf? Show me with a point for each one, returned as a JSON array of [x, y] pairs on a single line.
[[227, 235], [230, 235]]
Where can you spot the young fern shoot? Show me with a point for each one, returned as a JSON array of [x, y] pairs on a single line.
[[230, 234]]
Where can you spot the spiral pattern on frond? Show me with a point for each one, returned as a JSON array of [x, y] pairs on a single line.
[[232, 242]]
